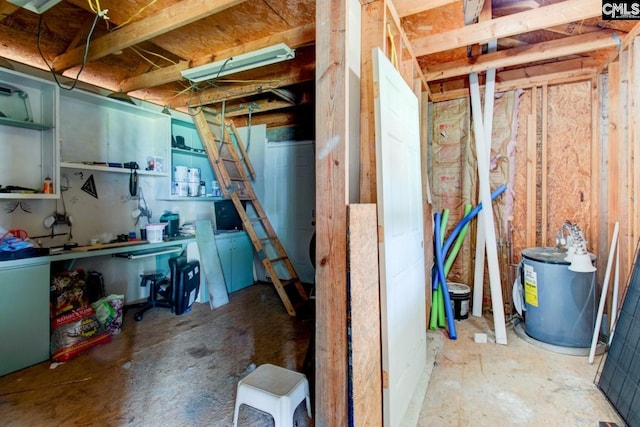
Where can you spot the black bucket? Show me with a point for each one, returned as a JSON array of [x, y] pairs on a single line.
[[460, 295]]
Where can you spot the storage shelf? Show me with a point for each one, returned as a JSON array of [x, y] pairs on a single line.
[[24, 124], [34, 196], [73, 165], [188, 152], [192, 199]]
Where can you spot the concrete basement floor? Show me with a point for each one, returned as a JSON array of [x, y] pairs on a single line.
[[518, 384]]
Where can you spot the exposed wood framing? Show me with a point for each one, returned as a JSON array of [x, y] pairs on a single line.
[[624, 44], [613, 146], [373, 35], [530, 235], [169, 18], [407, 53], [595, 195], [523, 22], [522, 55], [544, 212], [365, 315], [627, 245], [634, 130], [297, 70], [411, 7], [294, 38], [332, 140], [557, 73]]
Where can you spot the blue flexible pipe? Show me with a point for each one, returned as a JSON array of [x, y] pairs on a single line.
[[456, 230], [440, 268]]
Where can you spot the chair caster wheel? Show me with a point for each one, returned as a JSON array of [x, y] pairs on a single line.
[[138, 316]]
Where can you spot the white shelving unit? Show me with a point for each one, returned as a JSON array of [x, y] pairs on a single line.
[[96, 131], [193, 156], [29, 128]]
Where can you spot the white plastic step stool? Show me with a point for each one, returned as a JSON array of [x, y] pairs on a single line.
[[275, 390]]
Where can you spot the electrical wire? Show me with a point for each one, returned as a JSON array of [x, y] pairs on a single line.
[[138, 49], [84, 57], [135, 14]]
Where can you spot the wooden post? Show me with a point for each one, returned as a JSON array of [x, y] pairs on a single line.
[[332, 140], [373, 35]]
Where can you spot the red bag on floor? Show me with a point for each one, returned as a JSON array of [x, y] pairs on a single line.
[[76, 332]]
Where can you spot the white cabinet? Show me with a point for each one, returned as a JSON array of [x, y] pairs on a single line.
[[101, 133], [29, 143]]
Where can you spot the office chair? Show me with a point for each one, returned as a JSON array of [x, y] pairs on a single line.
[[178, 291]]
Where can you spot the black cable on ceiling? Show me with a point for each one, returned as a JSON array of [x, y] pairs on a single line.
[[84, 58]]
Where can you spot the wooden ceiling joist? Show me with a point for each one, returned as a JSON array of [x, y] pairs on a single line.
[[623, 44], [295, 38], [522, 55], [256, 107], [299, 70], [168, 19], [506, 26], [558, 72], [411, 7], [154, 78]]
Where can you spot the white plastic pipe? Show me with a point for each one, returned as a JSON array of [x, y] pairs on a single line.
[[603, 295], [616, 286], [488, 222], [489, 91]]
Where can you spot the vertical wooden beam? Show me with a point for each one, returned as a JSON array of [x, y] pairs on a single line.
[[595, 194], [332, 112], [544, 214], [373, 35], [366, 344], [613, 175], [634, 126], [627, 243], [530, 231]]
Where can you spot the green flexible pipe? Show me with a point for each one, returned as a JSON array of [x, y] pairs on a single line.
[[441, 317], [458, 244]]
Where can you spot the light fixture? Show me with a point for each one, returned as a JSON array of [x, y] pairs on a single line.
[[37, 6], [235, 64]]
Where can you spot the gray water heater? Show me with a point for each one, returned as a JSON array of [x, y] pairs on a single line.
[[560, 304]]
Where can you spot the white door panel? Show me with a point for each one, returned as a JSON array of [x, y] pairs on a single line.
[[402, 280]]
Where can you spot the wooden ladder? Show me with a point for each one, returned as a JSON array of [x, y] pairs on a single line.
[[231, 173]]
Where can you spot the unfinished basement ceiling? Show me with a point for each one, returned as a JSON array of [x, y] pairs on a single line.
[[143, 46]]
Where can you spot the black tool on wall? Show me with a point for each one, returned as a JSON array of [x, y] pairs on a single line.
[[133, 178]]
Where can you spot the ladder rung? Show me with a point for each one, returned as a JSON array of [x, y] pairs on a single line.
[[281, 258], [257, 219], [266, 239], [288, 282]]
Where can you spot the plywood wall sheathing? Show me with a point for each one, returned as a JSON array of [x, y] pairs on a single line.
[[569, 158], [524, 224], [365, 315]]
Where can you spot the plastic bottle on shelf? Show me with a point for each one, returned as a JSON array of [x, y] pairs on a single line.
[[47, 186]]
